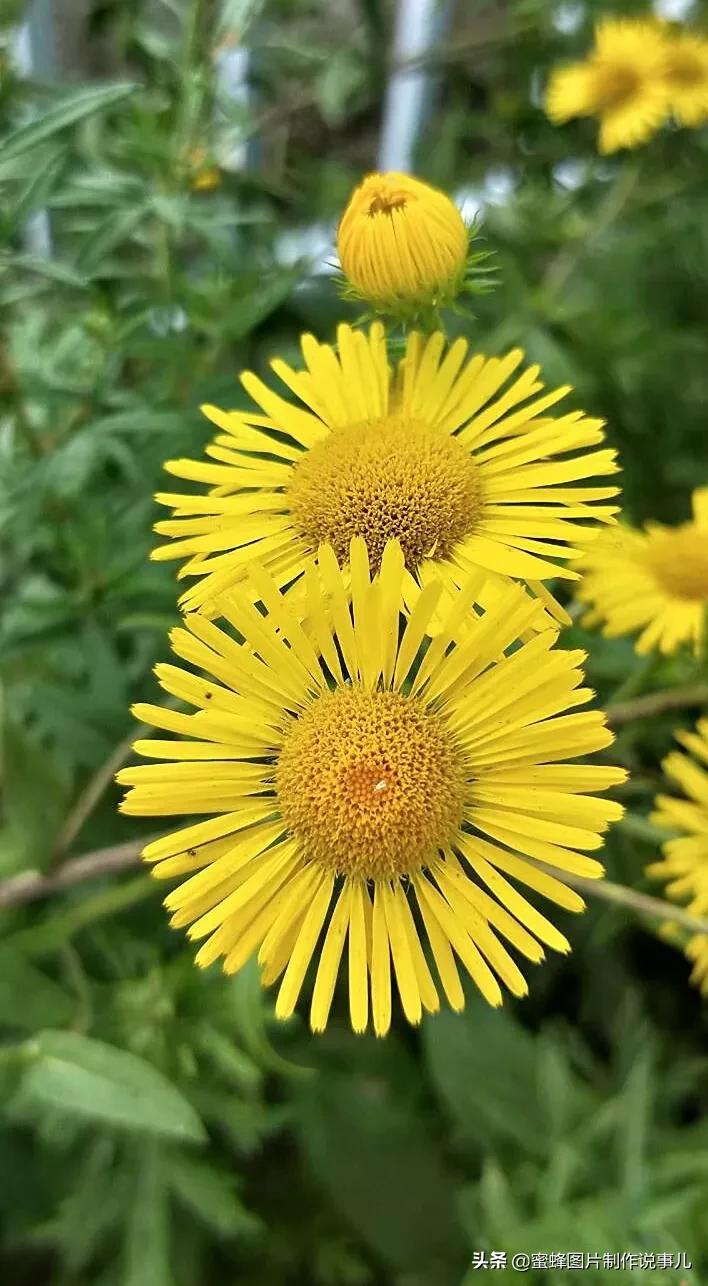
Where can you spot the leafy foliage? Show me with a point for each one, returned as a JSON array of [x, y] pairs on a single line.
[[160, 1130]]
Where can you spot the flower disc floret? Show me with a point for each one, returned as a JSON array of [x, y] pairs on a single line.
[[393, 479], [371, 783], [621, 82], [459, 458], [364, 783], [652, 582]]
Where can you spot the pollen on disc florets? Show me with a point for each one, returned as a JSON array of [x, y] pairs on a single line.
[[371, 783], [390, 479], [679, 561]]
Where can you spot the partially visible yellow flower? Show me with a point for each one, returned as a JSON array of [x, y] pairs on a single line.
[[402, 244], [654, 581], [457, 458], [364, 789], [685, 75], [621, 82], [685, 861], [207, 180], [203, 175]]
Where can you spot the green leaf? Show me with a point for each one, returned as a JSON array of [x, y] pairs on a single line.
[[210, 1194], [484, 1065], [76, 107], [231, 1061], [140, 421], [89, 1078], [35, 792], [49, 268], [342, 75], [369, 1146], [109, 234], [147, 1242], [37, 189], [253, 308], [28, 998]]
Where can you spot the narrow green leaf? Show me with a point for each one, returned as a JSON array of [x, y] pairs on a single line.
[[77, 106], [34, 795], [253, 308], [370, 1149], [87, 1077], [484, 1065], [51, 269], [28, 998], [37, 189], [109, 234], [147, 1242], [210, 1194]]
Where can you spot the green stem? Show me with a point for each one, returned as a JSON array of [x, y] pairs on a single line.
[[642, 903], [564, 265], [636, 679], [43, 939], [641, 828]]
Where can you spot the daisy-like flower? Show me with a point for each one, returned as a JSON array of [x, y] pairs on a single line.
[[621, 82], [685, 74], [402, 244], [368, 787], [454, 458], [685, 861], [654, 581]]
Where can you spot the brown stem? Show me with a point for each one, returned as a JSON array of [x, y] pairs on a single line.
[[30, 885], [652, 703], [91, 795]]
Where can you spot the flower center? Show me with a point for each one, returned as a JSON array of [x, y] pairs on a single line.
[[384, 202], [679, 561], [394, 478], [683, 70], [371, 783], [615, 86]]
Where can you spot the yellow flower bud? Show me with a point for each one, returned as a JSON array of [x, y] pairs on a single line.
[[206, 180], [402, 243]]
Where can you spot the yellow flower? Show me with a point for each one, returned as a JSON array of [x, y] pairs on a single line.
[[685, 75], [455, 459], [654, 580], [201, 174], [685, 861], [207, 180], [402, 244], [621, 83], [363, 784]]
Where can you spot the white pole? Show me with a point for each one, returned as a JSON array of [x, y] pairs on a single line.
[[33, 53], [417, 26]]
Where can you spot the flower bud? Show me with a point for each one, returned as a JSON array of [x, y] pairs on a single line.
[[402, 244]]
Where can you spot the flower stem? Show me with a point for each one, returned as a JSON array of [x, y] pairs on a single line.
[[608, 211], [642, 903], [652, 703]]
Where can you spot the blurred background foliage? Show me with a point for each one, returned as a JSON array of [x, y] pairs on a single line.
[[158, 234]]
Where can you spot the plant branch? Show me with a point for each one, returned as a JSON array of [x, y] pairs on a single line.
[[563, 266], [643, 903], [30, 885], [645, 707], [92, 794]]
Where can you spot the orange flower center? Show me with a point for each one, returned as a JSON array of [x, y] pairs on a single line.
[[371, 783]]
